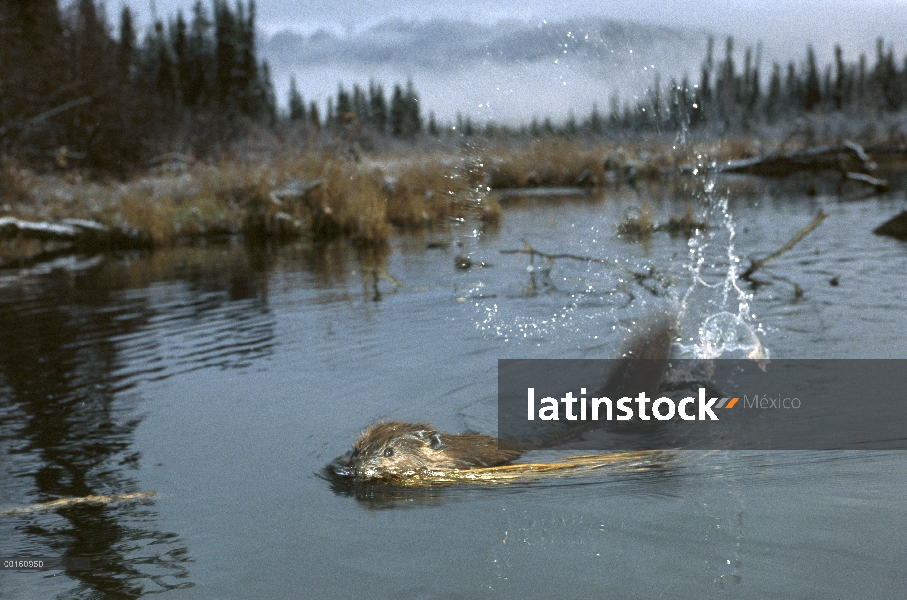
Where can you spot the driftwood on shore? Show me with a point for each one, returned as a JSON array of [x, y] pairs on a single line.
[[69, 236], [79, 234], [270, 218], [847, 157], [851, 160]]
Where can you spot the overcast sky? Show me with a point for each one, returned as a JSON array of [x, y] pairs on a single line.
[[806, 20], [784, 27]]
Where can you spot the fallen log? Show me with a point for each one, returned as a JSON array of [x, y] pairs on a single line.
[[82, 235], [295, 191], [846, 158], [879, 185], [24, 124]]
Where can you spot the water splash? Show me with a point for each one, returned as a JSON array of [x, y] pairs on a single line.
[[468, 181], [714, 305]]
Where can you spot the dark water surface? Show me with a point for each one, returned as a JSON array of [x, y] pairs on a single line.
[[225, 379]]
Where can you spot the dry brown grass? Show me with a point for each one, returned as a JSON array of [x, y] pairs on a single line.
[[568, 163], [559, 162], [15, 182], [360, 201], [434, 190], [639, 225], [363, 201]]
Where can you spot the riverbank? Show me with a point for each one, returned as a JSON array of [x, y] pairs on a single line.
[[278, 193]]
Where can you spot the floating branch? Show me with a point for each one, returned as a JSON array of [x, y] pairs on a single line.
[[65, 502], [532, 253], [758, 264], [641, 277]]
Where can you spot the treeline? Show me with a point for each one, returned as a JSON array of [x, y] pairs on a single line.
[[370, 110], [74, 92], [737, 97], [732, 97], [78, 92], [727, 97]]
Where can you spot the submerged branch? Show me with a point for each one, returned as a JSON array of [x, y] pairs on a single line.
[[640, 277], [532, 252], [758, 264]]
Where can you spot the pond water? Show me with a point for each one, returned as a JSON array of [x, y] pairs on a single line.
[[224, 379]]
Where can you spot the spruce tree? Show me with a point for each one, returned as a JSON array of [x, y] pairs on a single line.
[[344, 106], [164, 63], [360, 105], [774, 99], [127, 44], [398, 112], [377, 106], [838, 92], [297, 106], [225, 36], [812, 91], [179, 41], [199, 85], [412, 111]]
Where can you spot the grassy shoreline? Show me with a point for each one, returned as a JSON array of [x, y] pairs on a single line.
[[286, 193]]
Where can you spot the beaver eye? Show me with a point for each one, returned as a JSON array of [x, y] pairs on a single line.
[[388, 452]]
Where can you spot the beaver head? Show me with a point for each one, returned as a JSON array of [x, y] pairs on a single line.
[[396, 449]]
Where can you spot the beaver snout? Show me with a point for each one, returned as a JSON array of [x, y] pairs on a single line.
[[360, 471], [354, 465], [341, 468]]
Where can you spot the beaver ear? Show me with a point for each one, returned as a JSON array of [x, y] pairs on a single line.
[[435, 441]]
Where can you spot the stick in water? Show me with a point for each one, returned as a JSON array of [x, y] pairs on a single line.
[[758, 264], [64, 502]]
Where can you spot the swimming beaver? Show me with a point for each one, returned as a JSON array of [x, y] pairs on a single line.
[[397, 449]]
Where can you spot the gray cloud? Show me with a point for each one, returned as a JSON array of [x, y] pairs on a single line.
[[501, 60], [441, 43]]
